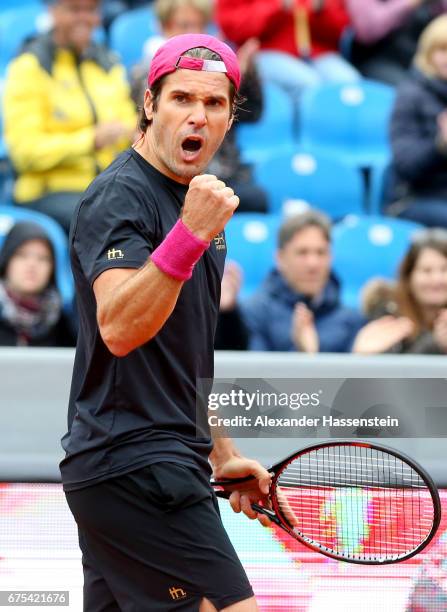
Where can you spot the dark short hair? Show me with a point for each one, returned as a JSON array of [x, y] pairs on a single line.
[[309, 218], [198, 52]]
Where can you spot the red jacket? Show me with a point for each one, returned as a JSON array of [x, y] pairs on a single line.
[[268, 21]]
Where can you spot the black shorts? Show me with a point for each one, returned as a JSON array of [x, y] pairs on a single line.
[[152, 540]]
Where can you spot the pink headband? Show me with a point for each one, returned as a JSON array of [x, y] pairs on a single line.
[[169, 58]]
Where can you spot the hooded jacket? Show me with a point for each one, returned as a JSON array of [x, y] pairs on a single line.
[[19, 234], [58, 333], [418, 160], [398, 46], [52, 103], [268, 315]]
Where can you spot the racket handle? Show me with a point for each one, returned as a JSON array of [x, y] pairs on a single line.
[[269, 513], [266, 511], [231, 481]]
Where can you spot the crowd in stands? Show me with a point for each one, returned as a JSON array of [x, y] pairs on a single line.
[[71, 104]]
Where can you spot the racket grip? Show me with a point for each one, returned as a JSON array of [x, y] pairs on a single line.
[[231, 481], [269, 513]]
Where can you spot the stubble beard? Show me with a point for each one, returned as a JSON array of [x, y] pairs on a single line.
[[181, 170], [184, 171]]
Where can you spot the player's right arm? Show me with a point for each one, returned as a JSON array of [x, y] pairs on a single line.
[[133, 305]]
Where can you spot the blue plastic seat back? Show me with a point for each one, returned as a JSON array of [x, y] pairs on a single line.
[[273, 131], [9, 215], [381, 183], [251, 242], [300, 178], [5, 5], [368, 247], [352, 119], [28, 19], [18, 24], [129, 32]]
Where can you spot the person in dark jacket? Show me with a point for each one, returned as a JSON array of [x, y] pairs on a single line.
[[298, 306], [416, 322], [30, 305], [231, 331], [419, 133], [386, 33]]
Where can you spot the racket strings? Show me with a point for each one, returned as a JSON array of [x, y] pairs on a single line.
[[356, 502]]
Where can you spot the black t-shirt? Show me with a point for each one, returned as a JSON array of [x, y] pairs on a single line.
[[128, 412]]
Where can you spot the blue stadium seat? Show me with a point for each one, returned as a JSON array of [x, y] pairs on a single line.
[[129, 32], [251, 242], [299, 179], [379, 185], [367, 247], [274, 130], [5, 5], [350, 121], [16, 25], [22, 22], [11, 214]]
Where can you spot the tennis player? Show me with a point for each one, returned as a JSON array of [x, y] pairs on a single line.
[[147, 251]]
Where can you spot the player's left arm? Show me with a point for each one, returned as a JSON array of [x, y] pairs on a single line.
[[227, 463]]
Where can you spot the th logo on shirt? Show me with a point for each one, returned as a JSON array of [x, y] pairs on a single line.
[[115, 254], [219, 241]]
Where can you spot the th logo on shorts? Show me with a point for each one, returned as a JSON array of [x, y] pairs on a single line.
[[177, 593]]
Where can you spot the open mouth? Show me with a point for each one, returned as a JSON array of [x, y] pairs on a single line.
[[192, 144]]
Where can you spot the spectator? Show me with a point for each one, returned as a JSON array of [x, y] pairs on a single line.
[[111, 9], [419, 322], [30, 305], [299, 46], [419, 133], [386, 34], [189, 16], [379, 298], [298, 306], [177, 17], [231, 332], [67, 111]]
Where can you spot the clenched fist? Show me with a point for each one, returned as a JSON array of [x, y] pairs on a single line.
[[209, 204]]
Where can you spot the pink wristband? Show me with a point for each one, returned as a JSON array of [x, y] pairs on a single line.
[[179, 252]]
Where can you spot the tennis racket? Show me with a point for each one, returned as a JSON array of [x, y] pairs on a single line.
[[353, 501]]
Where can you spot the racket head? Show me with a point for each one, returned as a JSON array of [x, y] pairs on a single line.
[[356, 501]]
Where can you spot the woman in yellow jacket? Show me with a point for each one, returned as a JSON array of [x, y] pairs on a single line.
[[67, 111]]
